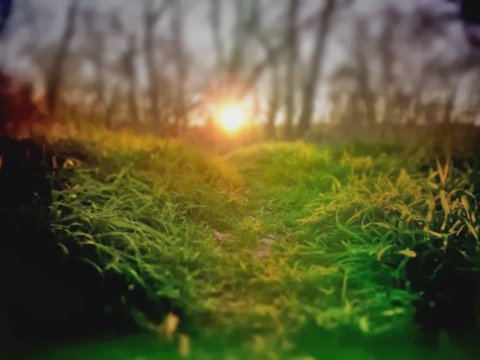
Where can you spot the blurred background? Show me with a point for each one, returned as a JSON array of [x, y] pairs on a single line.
[[289, 68]]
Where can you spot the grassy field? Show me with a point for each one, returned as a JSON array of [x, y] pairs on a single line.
[[278, 250]]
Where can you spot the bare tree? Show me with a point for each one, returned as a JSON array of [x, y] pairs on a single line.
[[95, 52], [151, 17], [55, 76], [274, 67], [363, 73], [239, 37], [314, 73], [181, 63], [291, 41], [387, 60], [130, 73], [258, 32], [275, 100], [272, 56], [247, 25], [215, 17]]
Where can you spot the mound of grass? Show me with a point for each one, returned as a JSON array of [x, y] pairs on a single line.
[[407, 230], [270, 241], [332, 270], [148, 209]]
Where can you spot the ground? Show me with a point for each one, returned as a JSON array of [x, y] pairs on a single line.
[[277, 250]]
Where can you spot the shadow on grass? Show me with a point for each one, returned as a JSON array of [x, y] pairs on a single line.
[[48, 294]]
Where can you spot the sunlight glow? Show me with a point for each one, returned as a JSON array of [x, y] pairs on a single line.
[[231, 117]]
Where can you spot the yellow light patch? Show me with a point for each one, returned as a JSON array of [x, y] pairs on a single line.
[[231, 117]]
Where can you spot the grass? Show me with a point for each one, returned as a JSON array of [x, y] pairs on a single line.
[[281, 248]]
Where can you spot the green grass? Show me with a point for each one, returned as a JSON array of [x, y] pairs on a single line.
[[279, 248]]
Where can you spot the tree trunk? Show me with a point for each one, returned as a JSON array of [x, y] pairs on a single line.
[[131, 76], [387, 55], [152, 73], [99, 64], [55, 75], [310, 87], [240, 39], [247, 23], [274, 102], [151, 17], [291, 41], [181, 68], [367, 95]]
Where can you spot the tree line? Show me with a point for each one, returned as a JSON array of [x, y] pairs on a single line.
[[302, 61]]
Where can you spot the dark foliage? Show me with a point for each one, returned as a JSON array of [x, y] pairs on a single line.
[[47, 293]]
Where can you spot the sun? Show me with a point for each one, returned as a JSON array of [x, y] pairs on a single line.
[[231, 117]]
